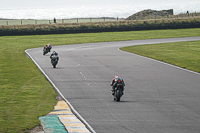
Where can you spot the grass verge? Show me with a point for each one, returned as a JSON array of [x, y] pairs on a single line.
[[24, 92], [182, 54]]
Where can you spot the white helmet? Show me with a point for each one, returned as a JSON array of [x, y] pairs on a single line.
[[116, 77]]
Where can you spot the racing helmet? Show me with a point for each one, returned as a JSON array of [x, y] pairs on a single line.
[[116, 77]]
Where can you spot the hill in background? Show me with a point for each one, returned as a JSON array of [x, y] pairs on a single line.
[[150, 14]]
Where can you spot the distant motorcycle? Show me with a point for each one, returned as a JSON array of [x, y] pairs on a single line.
[[118, 92], [54, 61], [46, 50]]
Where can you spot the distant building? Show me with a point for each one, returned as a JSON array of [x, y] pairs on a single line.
[[170, 11]]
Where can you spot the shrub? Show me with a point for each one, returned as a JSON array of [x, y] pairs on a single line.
[[99, 25]]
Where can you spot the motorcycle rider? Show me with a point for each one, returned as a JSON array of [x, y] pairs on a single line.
[[54, 55], [114, 84], [49, 45]]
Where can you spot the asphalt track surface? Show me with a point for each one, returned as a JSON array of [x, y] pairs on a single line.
[[158, 97]]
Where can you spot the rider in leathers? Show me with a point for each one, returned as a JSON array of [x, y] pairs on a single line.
[[55, 55], [114, 84]]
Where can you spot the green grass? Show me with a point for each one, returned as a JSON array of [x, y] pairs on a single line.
[[182, 54], [24, 92]]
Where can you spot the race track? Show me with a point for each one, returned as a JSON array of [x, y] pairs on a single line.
[[158, 98]]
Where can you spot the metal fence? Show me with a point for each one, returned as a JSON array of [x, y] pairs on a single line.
[[75, 20]]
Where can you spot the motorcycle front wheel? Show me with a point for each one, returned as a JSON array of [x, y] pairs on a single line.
[[45, 52], [118, 95], [54, 64]]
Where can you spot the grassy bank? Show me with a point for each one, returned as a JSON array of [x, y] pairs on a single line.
[[25, 93], [182, 54], [108, 26]]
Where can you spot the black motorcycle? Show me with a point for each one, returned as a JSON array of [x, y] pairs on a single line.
[[118, 92], [46, 50], [54, 61]]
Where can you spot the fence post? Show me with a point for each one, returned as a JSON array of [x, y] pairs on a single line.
[[77, 20], [90, 19], [7, 22], [21, 22]]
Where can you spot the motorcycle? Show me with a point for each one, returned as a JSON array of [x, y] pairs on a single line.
[[46, 50], [54, 61], [118, 92]]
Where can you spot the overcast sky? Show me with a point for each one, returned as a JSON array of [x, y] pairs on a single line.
[[13, 4]]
